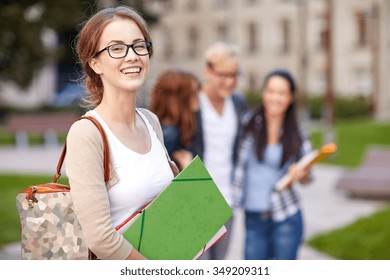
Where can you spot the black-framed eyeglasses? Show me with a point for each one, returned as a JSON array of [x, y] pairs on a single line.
[[140, 48], [223, 75]]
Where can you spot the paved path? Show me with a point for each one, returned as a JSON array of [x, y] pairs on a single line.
[[324, 207], [34, 160]]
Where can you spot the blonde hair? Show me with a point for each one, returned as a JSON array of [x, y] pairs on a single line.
[[221, 54]]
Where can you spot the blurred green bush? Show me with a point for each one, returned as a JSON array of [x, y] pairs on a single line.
[[344, 107], [252, 98]]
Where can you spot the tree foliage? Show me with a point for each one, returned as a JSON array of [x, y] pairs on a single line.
[[25, 26]]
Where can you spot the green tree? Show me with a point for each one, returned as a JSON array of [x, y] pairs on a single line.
[[23, 23], [22, 26]]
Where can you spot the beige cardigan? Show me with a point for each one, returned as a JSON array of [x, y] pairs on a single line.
[[84, 168]]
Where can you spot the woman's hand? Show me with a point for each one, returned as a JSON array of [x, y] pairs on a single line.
[[297, 173], [135, 255], [182, 158]]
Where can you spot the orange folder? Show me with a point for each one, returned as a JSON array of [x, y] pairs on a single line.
[[307, 161]]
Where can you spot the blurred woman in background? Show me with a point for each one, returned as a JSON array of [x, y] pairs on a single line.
[[175, 101], [271, 145]]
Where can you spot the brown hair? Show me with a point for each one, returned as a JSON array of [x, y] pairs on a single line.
[[171, 101], [88, 40]]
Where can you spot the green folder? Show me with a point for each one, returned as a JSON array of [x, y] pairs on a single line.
[[179, 222]]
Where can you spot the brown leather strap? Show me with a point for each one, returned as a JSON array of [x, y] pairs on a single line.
[[106, 151]]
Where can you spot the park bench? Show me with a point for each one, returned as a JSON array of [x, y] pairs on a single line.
[[48, 125], [372, 179]]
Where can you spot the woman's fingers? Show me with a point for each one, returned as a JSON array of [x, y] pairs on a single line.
[[297, 173]]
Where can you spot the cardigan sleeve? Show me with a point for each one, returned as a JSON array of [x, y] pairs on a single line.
[[84, 168]]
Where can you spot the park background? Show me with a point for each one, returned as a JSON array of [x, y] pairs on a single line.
[[339, 52]]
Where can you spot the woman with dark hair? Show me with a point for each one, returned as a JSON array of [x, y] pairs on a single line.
[[175, 101], [271, 144]]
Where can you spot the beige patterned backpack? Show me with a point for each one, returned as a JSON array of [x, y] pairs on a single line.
[[49, 227]]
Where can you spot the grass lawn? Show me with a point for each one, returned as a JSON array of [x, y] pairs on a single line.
[[10, 186], [352, 139], [366, 239], [7, 139]]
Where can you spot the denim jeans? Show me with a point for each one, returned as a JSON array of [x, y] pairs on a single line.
[[267, 239]]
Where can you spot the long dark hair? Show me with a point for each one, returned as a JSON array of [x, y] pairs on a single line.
[[291, 139]]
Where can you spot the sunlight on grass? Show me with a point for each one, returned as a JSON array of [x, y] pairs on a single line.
[[366, 239]]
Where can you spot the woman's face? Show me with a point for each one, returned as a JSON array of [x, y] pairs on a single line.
[[121, 74], [276, 96]]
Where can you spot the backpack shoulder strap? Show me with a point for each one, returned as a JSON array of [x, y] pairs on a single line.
[[105, 145]]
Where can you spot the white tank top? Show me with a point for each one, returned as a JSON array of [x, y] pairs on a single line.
[[141, 176]]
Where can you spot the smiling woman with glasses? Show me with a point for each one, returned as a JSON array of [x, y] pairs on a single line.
[[139, 167], [120, 50]]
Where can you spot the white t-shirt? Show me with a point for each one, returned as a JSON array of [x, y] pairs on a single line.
[[141, 176], [219, 132]]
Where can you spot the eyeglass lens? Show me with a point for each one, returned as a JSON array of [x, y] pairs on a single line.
[[120, 50]]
